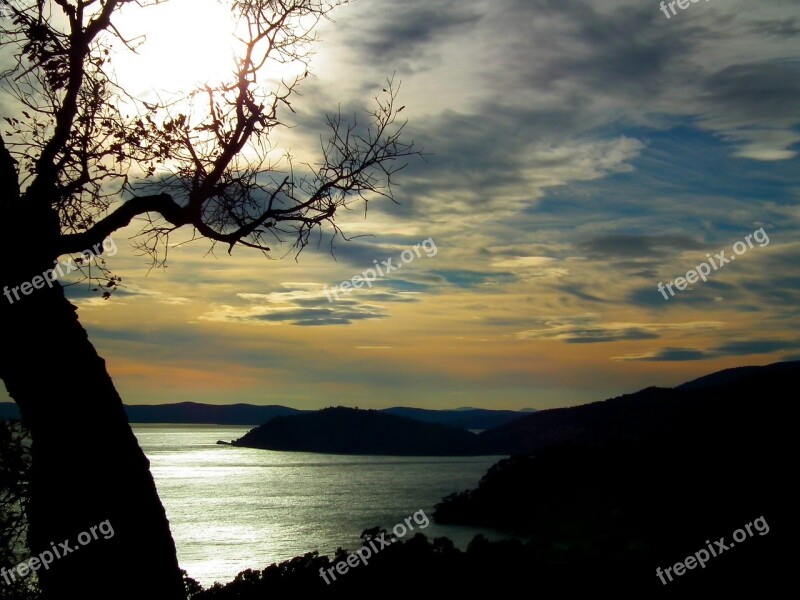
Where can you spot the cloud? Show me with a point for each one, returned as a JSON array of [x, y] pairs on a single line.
[[400, 32], [579, 290], [782, 28], [588, 329], [533, 267], [308, 305], [464, 278], [625, 245], [739, 348], [668, 355], [754, 105], [86, 293]]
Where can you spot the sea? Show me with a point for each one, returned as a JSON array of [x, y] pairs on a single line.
[[232, 509]]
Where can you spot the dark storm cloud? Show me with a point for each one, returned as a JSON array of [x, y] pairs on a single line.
[[410, 28], [650, 297], [480, 152], [763, 92], [484, 154], [314, 304], [781, 28], [358, 253], [623, 245], [775, 292], [599, 336], [630, 57], [316, 316], [625, 51], [375, 295], [481, 158], [701, 295]]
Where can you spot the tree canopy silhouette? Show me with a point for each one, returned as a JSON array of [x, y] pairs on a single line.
[[82, 157]]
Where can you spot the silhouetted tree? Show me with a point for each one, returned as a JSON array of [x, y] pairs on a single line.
[[65, 154], [15, 463]]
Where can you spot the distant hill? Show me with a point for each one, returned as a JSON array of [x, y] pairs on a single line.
[[252, 414], [693, 408], [212, 414], [740, 374], [463, 418], [189, 413], [353, 431]]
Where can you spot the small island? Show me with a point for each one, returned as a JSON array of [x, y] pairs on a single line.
[[352, 431]]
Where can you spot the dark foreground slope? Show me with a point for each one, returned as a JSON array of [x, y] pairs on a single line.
[[649, 478], [353, 431]]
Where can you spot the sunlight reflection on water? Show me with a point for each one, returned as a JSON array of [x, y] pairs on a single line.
[[235, 508]]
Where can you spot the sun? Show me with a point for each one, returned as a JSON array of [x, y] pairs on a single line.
[[188, 44]]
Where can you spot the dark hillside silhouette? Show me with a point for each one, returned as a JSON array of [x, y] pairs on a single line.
[[648, 477], [353, 431], [729, 399]]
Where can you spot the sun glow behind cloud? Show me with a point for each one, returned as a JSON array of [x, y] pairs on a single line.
[[183, 45], [188, 43]]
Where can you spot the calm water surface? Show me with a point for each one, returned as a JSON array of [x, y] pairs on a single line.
[[232, 509]]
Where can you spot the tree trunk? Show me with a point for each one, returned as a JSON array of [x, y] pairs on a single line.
[[88, 468]]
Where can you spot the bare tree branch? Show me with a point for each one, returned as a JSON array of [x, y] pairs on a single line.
[[208, 168]]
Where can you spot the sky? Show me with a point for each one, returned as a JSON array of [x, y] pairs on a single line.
[[578, 155]]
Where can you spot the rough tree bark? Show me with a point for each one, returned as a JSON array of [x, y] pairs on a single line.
[[87, 464]]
